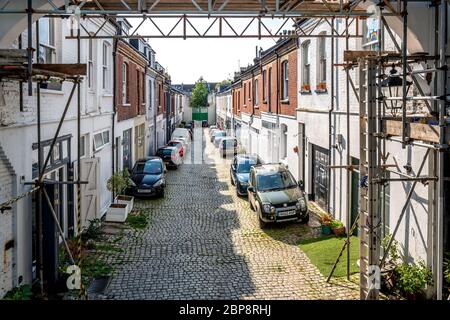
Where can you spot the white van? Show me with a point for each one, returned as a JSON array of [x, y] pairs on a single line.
[[181, 133]]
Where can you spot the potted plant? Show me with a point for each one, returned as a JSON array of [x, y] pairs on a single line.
[[337, 227], [117, 212], [325, 221], [412, 279], [124, 199]]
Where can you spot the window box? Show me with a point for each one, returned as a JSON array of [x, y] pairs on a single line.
[[321, 88], [306, 89]]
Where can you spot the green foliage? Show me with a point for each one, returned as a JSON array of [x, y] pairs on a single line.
[[393, 255], [93, 231], [138, 221], [118, 182], [326, 219], [199, 97], [336, 224], [19, 293], [447, 269], [412, 278], [226, 82]]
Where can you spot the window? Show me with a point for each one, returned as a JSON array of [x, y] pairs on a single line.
[[150, 94], [249, 91], [255, 87], [285, 73], [105, 66], [101, 139], [306, 79], [90, 63], [322, 63], [264, 85], [239, 101], [245, 92], [46, 40], [125, 98]]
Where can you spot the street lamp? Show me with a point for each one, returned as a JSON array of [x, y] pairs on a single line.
[[390, 88]]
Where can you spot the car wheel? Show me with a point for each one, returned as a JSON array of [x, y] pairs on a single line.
[[161, 194], [304, 220], [232, 181], [262, 224]]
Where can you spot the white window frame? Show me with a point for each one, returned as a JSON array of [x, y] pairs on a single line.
[[125, 71], [285, 72], [306, 74], [48, 48], [105, 139], [322, 59], [255, 90], [106, 83], [90, 60]]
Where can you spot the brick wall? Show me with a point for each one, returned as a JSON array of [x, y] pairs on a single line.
[[136, 76], [289, 108]]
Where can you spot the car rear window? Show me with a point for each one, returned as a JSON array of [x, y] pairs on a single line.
[[165, 152]]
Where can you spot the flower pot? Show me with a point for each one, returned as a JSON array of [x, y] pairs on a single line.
[[339, 231], [117, 212], [326, 230], [128, 200]]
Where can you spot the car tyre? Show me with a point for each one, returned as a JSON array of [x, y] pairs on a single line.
[[304, 220], [231, 180], [161, 194], [262, 224]]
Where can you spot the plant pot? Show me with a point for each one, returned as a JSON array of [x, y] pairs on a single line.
[[326, 230], [117, 212], [128, 200], [339, 231]]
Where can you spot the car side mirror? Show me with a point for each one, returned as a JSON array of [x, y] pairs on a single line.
[[251, 189], [301, 185]]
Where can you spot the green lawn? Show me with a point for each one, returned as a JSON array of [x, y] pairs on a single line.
[[323, 253]]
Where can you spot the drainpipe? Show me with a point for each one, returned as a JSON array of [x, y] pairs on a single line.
[[330, 112]]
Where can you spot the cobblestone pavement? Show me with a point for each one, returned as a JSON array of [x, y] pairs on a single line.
[[204, 242]]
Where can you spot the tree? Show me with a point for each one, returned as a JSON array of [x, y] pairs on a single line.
[[199, 97]]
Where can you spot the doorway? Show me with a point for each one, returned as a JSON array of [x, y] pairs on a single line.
[[126, 150], [320, 176]]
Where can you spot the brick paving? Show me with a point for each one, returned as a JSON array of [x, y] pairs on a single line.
[[204, 242]]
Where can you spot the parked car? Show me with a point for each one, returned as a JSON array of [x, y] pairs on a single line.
[[181, 133], [240, 171], [212, 127], [227, 146], [218, 139], [147, 178], [178, 143], [204, 123], [218, 133], [275, 195], [184, 142], [170, 156]]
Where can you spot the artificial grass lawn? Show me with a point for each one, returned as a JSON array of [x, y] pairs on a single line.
[[323, 253]]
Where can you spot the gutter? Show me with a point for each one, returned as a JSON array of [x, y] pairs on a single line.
[[113, 117], [330, 112]]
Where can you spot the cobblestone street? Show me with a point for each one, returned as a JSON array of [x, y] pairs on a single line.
[[204, 242]]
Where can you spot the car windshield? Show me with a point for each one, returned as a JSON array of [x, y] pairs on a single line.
[[275, 181], [174, 144], [220, 134], [244, 167], [165, 152], [149, 167]]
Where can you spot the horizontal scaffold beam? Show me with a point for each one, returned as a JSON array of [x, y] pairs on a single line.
[[417, 131]]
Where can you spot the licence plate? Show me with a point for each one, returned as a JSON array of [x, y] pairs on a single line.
[[286, 213], [145, 190]]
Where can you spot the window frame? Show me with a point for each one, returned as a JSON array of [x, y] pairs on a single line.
[[264, 85], [106, 83], [49, 46], [285, 80], [102, 134], [90, 60], [256, 98], [125, 78], [321, 62], [306, 70]]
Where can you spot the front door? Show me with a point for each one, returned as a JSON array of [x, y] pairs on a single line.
[[126, 147], [320, 176]]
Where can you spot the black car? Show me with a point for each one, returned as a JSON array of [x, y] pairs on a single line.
[[170, 156], [204, 123], [148, 178], [240, 170], [275, 195]]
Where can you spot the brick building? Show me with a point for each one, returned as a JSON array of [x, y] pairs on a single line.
[[264, 99]]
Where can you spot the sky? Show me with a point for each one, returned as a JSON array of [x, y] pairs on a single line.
[[213, 59]]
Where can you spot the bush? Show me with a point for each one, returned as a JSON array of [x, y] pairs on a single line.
[[411, 279], [336, 224], [326, 219], [118, 182], [20, 293]]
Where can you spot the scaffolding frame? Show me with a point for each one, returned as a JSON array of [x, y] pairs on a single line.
[[372, 104]]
